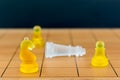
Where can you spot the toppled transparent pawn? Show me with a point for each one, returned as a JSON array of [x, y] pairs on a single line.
[[54, 50]]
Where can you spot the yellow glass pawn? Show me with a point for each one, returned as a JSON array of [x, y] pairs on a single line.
[[99, 59], [37, 37], [29, 64]]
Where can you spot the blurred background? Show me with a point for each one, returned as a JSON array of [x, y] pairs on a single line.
[[60, 13]]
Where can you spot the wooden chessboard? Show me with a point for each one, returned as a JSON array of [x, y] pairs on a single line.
[[61, 67]]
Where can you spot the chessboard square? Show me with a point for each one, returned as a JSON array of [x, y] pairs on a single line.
[[15, 72], [96, 72], [59, 72], [57, 64]]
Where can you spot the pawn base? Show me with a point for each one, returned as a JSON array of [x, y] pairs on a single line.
[[29, 68], [97, 62]]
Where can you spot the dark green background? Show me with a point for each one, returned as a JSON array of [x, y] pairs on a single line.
[[60, 13]]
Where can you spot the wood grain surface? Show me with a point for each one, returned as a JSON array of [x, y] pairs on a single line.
[[61, 68]]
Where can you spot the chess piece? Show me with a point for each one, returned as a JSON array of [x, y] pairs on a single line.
[[54, 50], [99, 59], [29, 64], [37, 37]]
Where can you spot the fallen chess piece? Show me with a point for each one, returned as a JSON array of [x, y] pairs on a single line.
[[54, 50], [99, 59]]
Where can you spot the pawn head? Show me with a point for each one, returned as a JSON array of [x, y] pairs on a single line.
[[37, 28], [100, 44]]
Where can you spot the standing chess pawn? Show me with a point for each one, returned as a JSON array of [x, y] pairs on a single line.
[[29, 64], [99, 59], [37, 37]]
